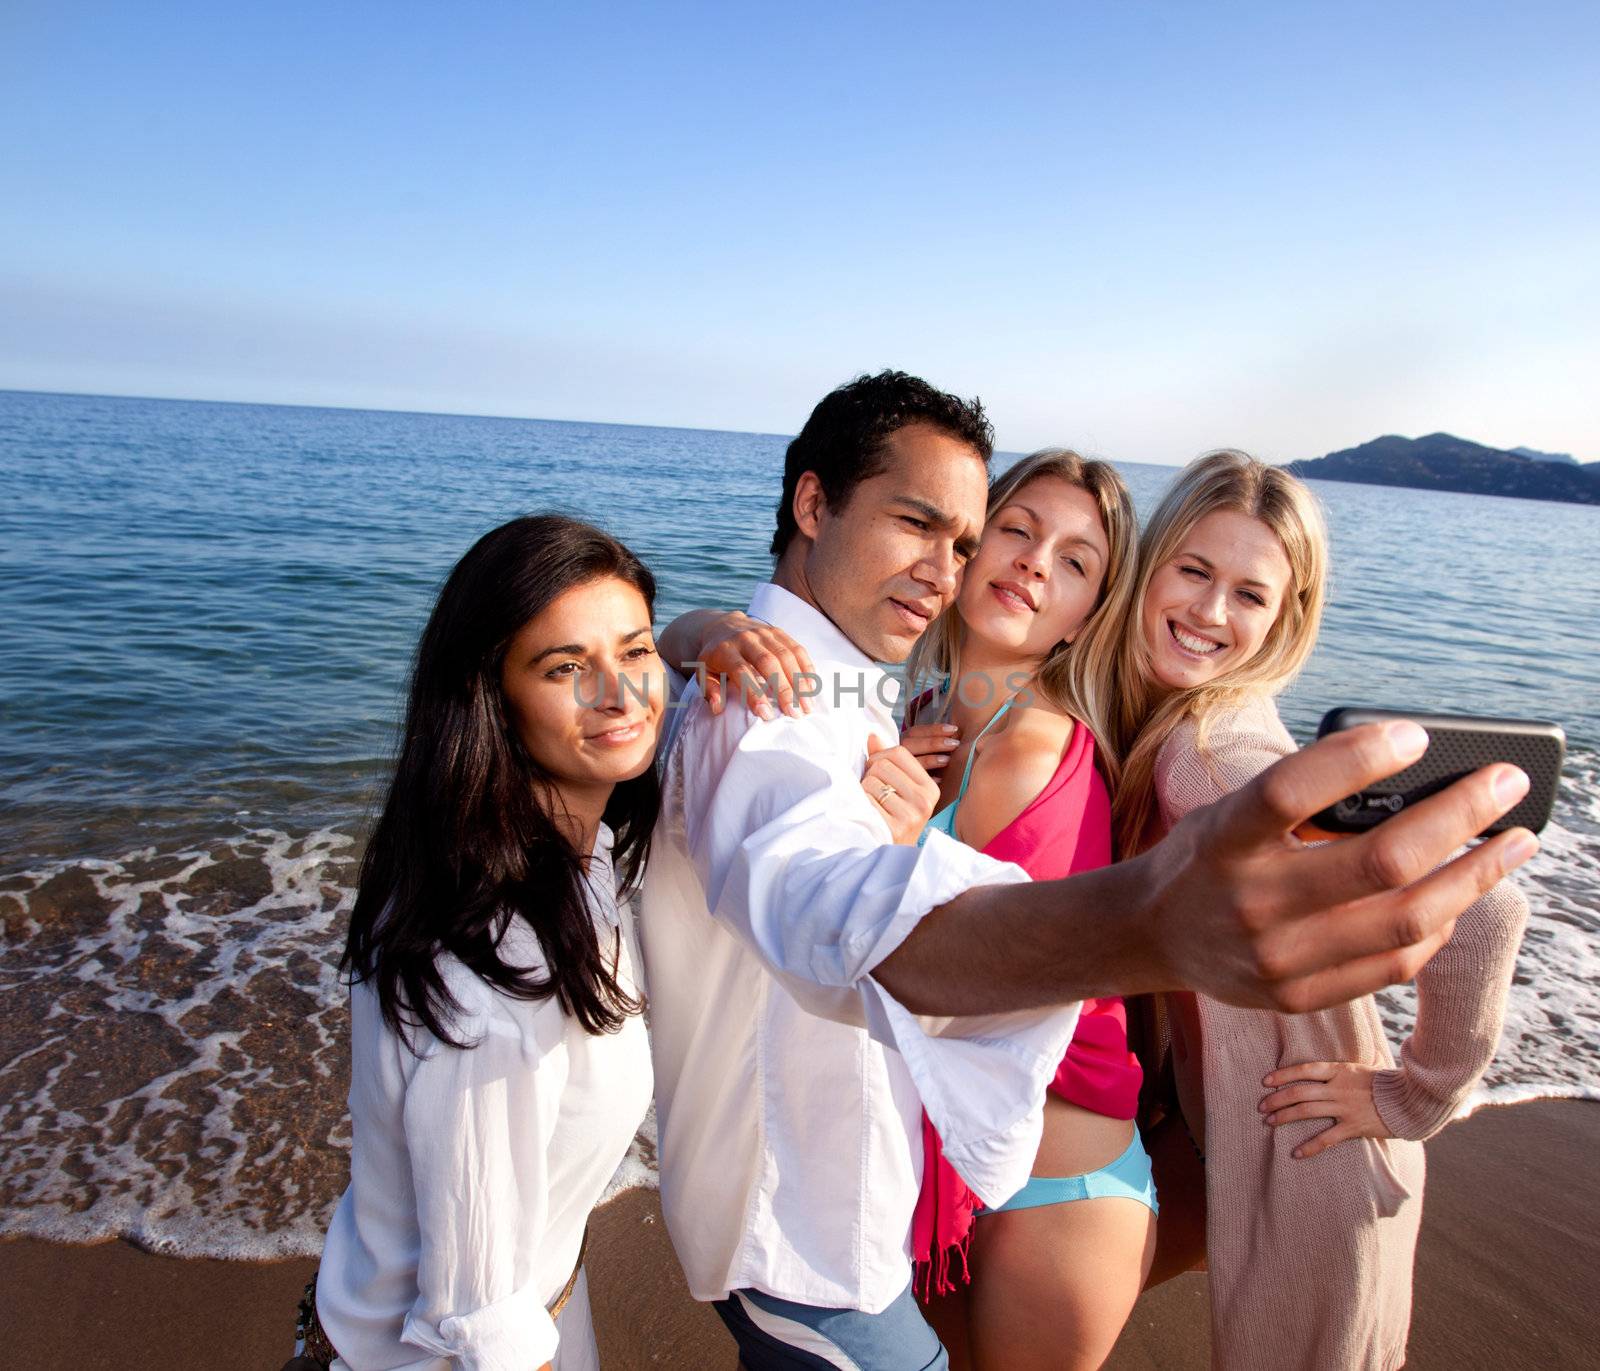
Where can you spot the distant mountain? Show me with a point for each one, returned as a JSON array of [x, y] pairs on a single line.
[[1534, 455], [1441, 461]]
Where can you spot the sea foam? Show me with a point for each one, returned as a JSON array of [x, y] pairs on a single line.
[[176, 1051]]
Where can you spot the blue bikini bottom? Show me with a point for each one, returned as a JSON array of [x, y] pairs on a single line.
[[1128, 1177]]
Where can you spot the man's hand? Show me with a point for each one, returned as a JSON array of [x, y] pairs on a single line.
[[1231, 903], [1245, 912]]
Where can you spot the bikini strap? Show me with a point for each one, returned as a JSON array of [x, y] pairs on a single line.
[[972, 752]]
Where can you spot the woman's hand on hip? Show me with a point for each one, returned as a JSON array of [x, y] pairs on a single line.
[[896, 782], [1338, 1091]]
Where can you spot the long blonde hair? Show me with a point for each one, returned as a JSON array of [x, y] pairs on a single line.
[[1227, 480], [1076, 677]]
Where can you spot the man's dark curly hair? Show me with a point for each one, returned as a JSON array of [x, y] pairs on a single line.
[[843, 440]]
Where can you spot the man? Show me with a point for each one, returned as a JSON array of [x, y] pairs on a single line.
[[790, 948]]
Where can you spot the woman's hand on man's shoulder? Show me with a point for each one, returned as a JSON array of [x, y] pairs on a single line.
[[735, 656]]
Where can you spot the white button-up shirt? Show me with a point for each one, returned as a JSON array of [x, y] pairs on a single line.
[[789, 1083], [473, 1170]]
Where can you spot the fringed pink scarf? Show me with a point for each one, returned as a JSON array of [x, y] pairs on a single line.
[[941, 1225]]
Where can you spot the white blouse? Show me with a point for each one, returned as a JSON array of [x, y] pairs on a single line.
[[473, 1171]]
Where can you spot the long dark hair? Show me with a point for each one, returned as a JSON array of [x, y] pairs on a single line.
[[464, 844]]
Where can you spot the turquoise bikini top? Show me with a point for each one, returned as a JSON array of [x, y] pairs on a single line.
[[945, 819]]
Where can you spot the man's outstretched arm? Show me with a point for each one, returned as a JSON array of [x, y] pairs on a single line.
[[1231, 903]]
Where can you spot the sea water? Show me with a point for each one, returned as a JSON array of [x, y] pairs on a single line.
[[207, 613]]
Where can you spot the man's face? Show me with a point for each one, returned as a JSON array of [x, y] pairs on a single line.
[[884, 566]]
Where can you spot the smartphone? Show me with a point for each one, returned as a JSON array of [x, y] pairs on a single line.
[[1457, 744]]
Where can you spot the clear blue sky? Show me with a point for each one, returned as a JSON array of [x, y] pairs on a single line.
[[1145, 229]]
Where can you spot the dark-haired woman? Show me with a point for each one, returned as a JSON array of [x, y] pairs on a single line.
[[499, 1064]]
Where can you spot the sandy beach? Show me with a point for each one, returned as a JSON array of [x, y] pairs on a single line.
[[1505, 1277]]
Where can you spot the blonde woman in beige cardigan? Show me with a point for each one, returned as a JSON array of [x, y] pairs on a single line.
[[1309, 1132]]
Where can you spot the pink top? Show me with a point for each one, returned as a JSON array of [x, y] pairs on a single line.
[[1065, 829]]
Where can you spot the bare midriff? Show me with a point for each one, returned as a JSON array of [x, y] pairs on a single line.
[[1077, 1140]]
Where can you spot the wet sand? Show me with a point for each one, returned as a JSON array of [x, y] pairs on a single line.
[[1505, 1277]]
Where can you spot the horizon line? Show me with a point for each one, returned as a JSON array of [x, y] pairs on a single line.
[[463, 414], [372, 409]]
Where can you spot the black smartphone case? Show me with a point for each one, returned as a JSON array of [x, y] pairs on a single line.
[[1457, 745]]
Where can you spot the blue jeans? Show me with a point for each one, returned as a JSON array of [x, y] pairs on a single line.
[[780, 1335]]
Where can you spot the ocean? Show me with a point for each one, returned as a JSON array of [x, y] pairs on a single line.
[[208, 613]]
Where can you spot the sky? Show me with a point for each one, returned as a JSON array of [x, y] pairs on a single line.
[[1141, 229]]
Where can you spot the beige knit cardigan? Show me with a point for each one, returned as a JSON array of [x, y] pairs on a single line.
[[1311, 1259]]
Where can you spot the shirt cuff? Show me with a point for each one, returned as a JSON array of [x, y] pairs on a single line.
[[1406, 1108], [512, 1334], [981, 1078]]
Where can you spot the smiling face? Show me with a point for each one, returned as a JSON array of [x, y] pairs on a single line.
[[883, 567], [1038, 571], [585, 690], [1208, 609]]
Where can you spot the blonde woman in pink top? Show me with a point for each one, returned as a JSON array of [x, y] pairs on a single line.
[[1308, 1131], [1024, 660]]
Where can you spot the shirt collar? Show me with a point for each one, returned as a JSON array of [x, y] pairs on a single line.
[[821, 637]]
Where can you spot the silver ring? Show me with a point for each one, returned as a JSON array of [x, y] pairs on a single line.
[[886, 792]]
